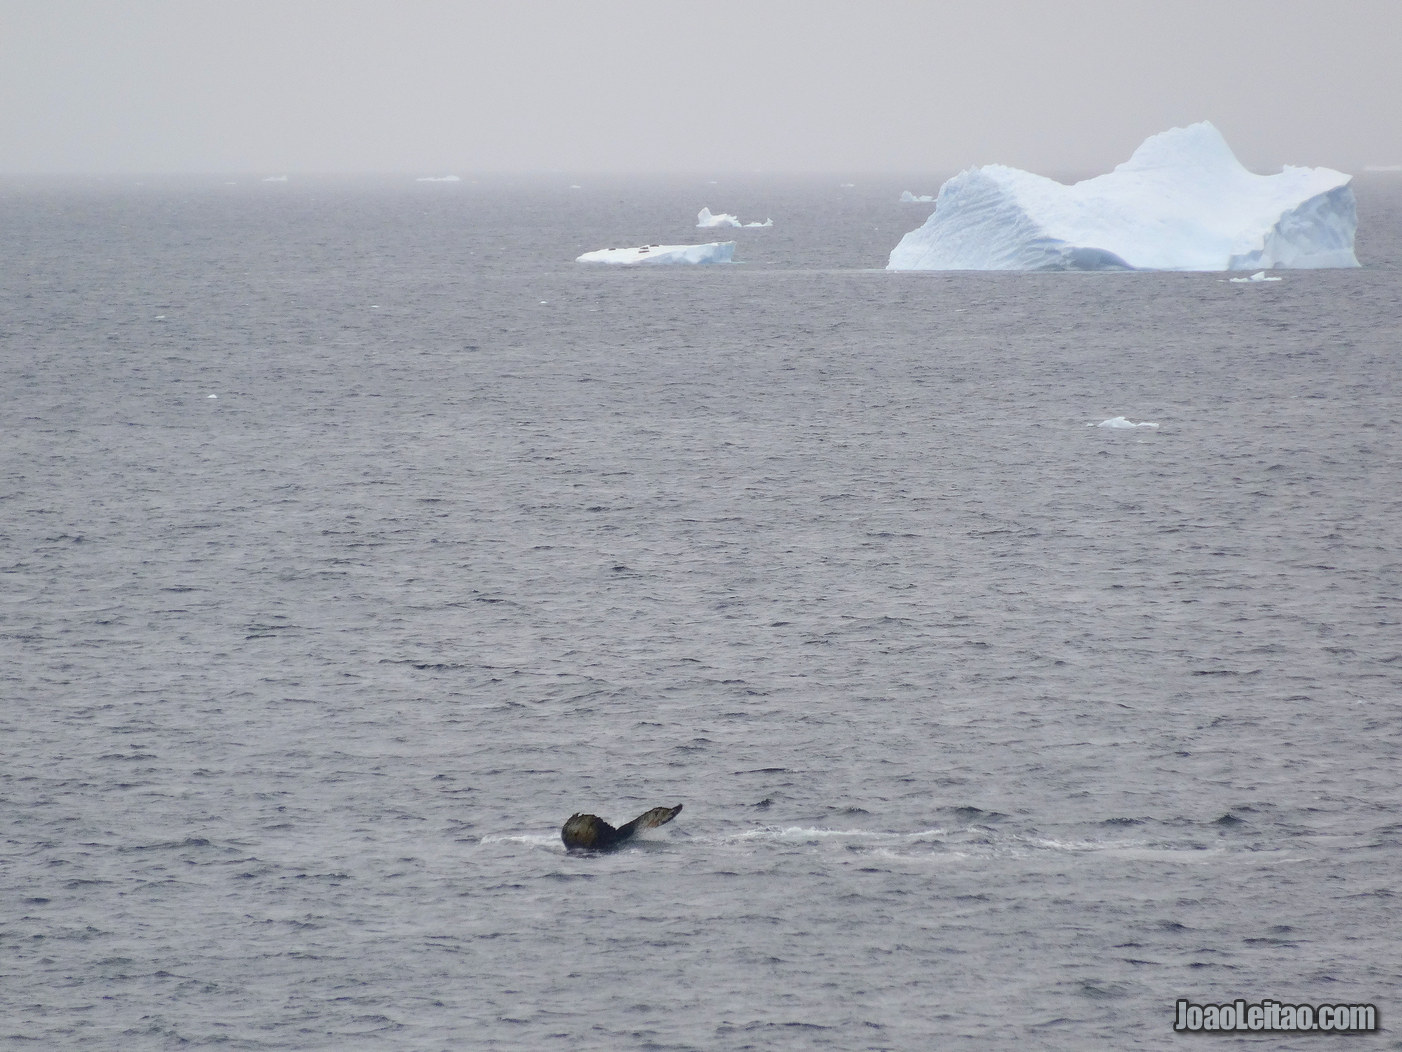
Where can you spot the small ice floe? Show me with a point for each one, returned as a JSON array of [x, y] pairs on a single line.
[[705, 218], [908, 198], [1121, 423], [715, 252], [439, 179], [274, 178], [211, 396], [1260, 275]]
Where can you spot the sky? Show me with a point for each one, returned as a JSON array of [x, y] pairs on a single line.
[[437, 87]]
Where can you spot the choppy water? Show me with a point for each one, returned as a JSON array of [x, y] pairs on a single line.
[[353, 537]]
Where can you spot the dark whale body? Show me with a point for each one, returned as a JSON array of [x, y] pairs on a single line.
[[590, 832]]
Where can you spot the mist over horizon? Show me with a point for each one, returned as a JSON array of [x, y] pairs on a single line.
[[626, 87]]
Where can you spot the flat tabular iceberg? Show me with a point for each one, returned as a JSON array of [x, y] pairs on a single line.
[[1182, 202], [715, 252]]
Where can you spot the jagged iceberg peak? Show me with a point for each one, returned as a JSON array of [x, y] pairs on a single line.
[[1197, 146], [1181, 202], [705, 218]]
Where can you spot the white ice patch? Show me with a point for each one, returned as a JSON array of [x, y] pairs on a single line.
[[908, 198], [705, 219], [438, 179], [1181, 202], [1260, 275], [714, 252], [1124, 424]]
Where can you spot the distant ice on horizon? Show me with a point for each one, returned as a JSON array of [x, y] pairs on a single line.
[[1120, 423], [714, 252], [705, 219], [1181, 202], [908, 198]]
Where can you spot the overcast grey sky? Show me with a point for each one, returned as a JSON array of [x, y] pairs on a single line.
[[461, 86]]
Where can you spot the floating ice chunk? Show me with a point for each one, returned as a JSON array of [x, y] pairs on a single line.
[[1182, 202], [1123, 424], [908, 198], [438, 179], [714, 252], [274, 178], [1260, 275], [705, 218]]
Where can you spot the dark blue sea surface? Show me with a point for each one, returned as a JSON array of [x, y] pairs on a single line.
[[352, 537]]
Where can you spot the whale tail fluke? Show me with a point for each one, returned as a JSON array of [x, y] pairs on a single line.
[[658, 816], [592, 832]]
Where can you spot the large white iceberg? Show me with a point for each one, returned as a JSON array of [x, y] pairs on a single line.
[[715, 252], [705, 218], [1182, 202]]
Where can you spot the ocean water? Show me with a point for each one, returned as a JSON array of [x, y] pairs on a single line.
[[354, 537]]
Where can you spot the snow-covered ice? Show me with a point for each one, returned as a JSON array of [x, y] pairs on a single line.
[[1181, 202], [705, 218], [714, 252], [1260, 275], [908, 198]]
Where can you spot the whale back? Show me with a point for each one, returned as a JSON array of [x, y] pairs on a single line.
[[588, 831]]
